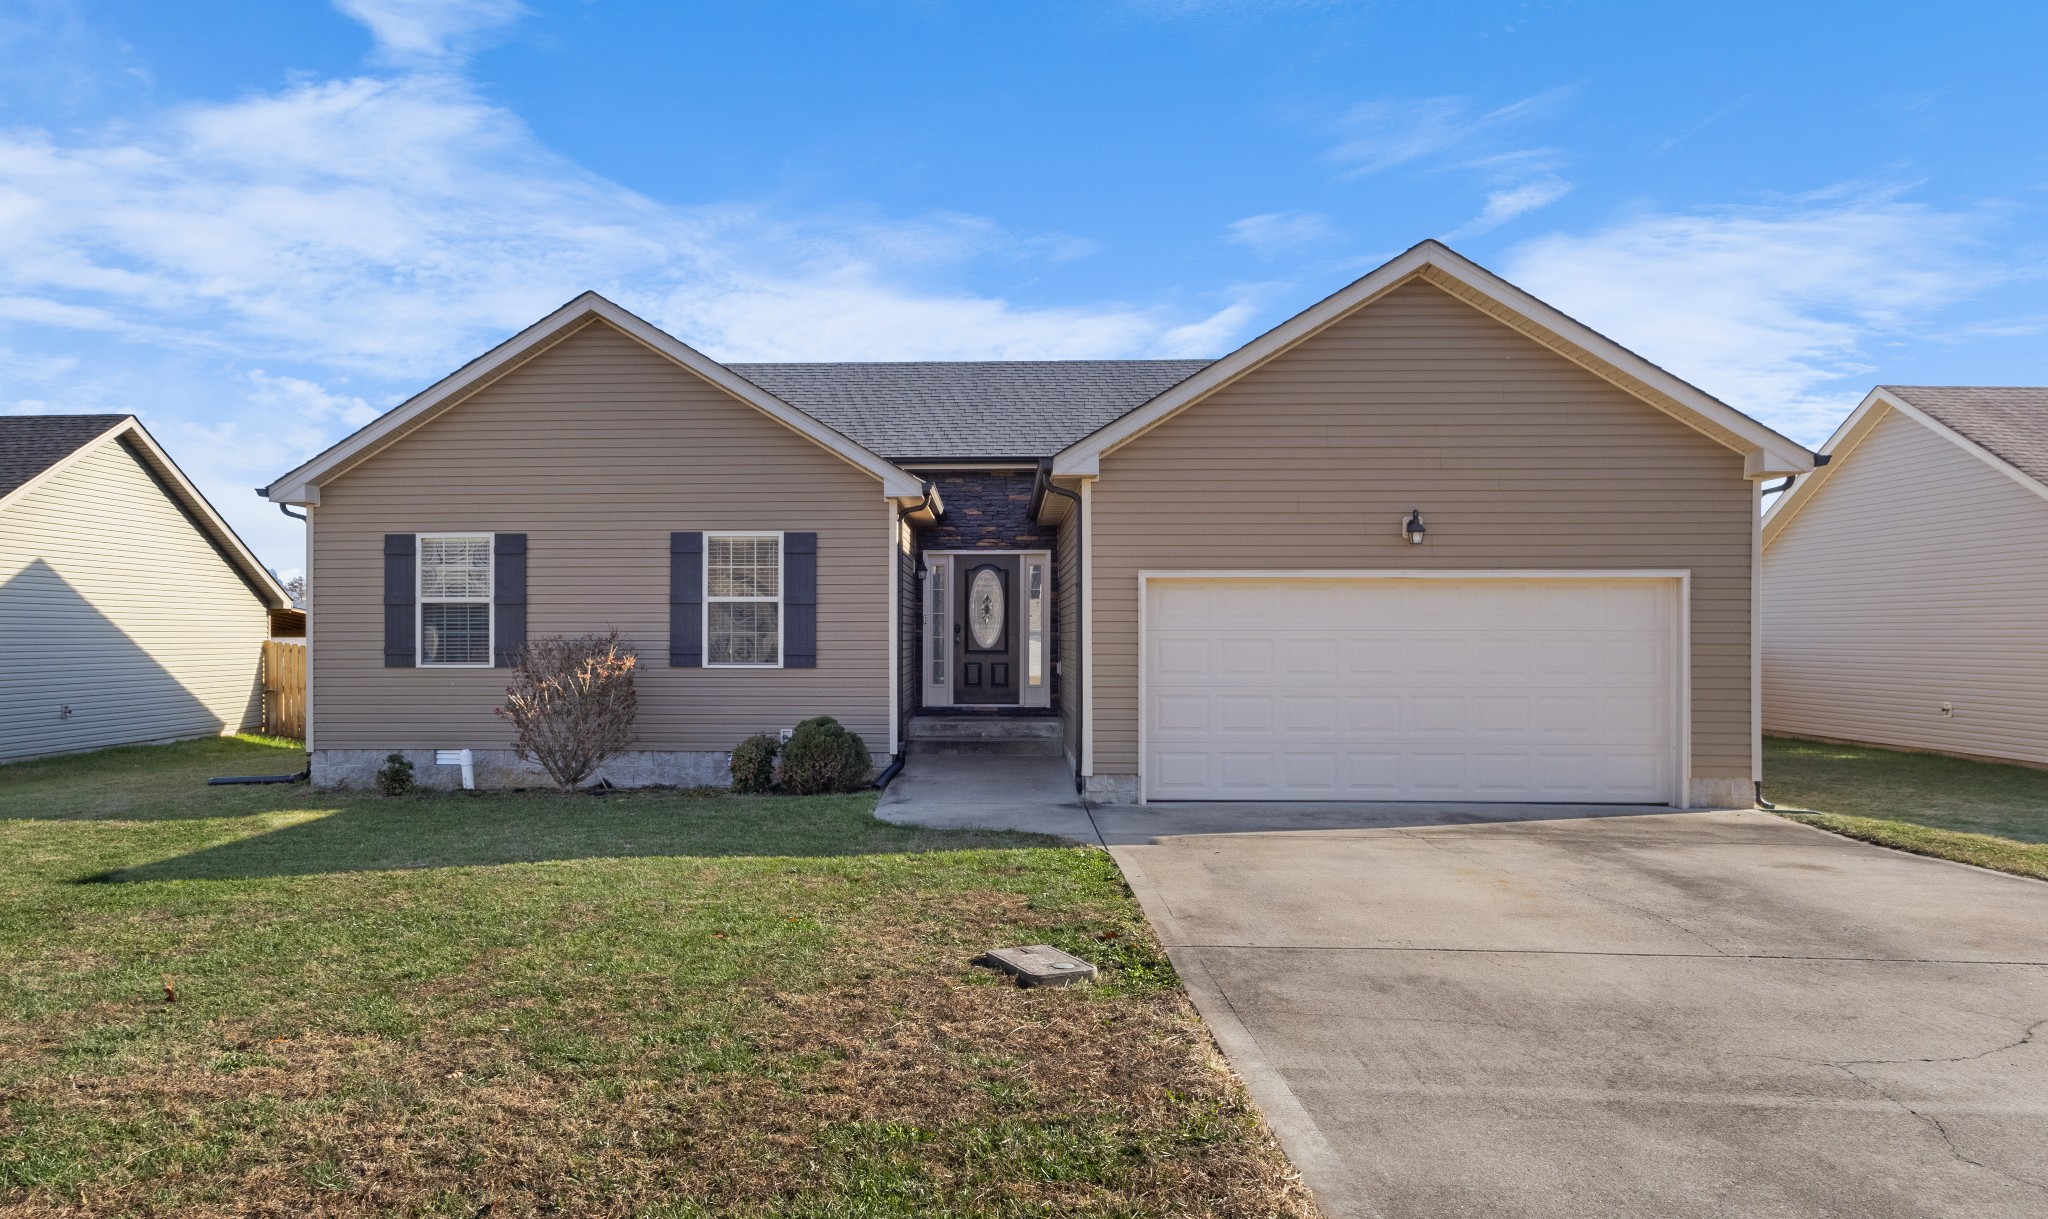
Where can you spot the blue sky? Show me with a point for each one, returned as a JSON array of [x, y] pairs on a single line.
[[257, 223]]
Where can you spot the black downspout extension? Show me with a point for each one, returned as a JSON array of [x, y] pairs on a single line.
[[1762, 803], [894, 768], [1080, 619]]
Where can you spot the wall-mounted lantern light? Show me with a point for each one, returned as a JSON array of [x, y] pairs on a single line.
[[1413, 528]]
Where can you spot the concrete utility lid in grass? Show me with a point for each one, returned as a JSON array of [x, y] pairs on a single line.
[[1039, 965]]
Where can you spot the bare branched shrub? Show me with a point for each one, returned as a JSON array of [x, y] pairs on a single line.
[[572, 704]]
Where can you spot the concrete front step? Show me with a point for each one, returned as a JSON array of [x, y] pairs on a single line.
[[1034, 737]]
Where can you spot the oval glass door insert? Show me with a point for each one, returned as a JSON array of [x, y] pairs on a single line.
[[985, 609]]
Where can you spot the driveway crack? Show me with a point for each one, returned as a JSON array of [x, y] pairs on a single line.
[[1936, 1124], [2025, 1038]]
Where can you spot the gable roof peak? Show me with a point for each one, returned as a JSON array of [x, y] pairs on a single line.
[[37, 448], [302, 485], [1766, 452]]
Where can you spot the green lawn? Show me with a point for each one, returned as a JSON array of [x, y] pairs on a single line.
[[1991, 815], [640, 1004]]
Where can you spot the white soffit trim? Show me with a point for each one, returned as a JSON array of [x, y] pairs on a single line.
[[1767, 453], [189, 498], [1867, 415], [300, 486]]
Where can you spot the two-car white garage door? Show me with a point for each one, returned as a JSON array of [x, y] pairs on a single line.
[[1361, 688]]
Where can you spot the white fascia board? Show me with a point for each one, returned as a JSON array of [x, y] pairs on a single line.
[[299, 486], [190, 498], [1767, 454], [223, 533], [1837, 446]]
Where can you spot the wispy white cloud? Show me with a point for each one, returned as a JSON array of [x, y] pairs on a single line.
[[427, 31], [1379, 135], [1773, 309], [1504, 205], [307, 399], [1442, 135], [1274, 233]]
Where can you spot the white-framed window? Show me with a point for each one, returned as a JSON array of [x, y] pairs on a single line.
[[743, 600], [455, 577]]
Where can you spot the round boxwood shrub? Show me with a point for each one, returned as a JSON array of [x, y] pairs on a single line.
[[753, 764], [822, 756]]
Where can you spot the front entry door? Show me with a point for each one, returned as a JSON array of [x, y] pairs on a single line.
[[985, 630]]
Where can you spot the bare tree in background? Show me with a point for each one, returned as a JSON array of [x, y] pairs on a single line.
[[295, 588], [572, 704]]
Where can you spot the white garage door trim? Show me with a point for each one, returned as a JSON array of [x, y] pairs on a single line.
[[1681, 637]]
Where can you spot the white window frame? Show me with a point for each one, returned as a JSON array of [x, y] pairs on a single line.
[[419, 601], [781, 591]]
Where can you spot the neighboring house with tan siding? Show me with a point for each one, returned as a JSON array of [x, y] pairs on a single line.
[[1194, 575], [1905, 581], [129, 611]]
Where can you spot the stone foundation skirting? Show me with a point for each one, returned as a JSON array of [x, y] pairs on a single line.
[[498, 769], [1110, 789], [1721, 793]]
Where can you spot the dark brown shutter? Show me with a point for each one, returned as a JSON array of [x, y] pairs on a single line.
[[800, 600], [686, 600], [401, 577], [508, 598]]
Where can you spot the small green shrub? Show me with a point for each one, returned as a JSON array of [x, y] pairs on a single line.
[[822, 756], [394, 778], [753, 764]]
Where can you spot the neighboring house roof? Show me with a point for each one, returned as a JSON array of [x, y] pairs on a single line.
[[31, 444], [1766, 453], [302, 485], [950, 410], [2004, 426], [37, 448], [2008, 421]]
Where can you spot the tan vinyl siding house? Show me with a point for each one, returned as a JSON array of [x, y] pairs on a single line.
[[1518, 458], [124, 616], [1906, 591], [1577, 625], [596, 448], [1573, 622]]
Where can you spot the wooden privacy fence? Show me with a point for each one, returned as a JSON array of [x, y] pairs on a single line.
[[284, 689]]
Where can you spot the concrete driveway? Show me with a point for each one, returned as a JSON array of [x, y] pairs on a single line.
[[1486, 1011]]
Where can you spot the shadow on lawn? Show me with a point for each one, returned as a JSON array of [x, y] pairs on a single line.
[[368, 833]]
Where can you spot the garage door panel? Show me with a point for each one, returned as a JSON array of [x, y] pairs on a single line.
[[1239, 713], [1502, 689], [1371, 715], [1363, 655], [1511, 714]]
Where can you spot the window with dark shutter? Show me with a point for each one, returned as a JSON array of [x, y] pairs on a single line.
[[800, 600], [686, 600], [455, 587], [508, 598], [400, 599]]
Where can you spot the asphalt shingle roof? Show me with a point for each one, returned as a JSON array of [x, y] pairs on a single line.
[[2010, 421], [966, 409], [31, 444]]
